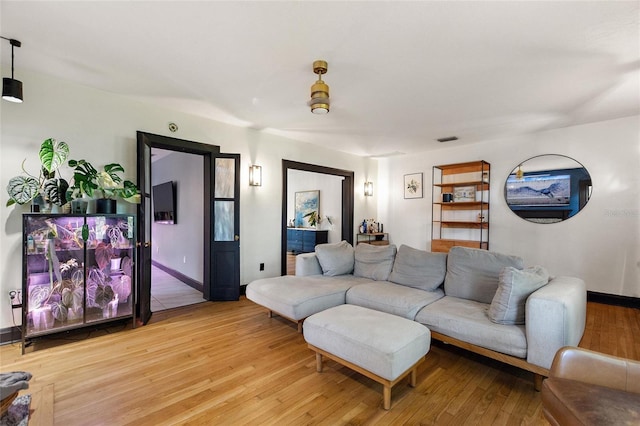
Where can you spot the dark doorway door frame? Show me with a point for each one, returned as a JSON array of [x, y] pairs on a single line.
[[347, 201], [146, 141]]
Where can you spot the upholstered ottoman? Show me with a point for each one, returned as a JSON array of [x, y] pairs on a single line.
[[384, 347]]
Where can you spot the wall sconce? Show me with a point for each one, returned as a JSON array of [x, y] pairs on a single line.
[[368, 189], [255, 175], [12, 88]]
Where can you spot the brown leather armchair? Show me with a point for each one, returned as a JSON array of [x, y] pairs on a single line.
[[589, 388]]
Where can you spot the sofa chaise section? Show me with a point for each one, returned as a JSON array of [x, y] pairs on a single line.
[[296, 298]]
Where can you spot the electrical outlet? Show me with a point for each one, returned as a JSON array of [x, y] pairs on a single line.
[[15, 296], [262, 266]]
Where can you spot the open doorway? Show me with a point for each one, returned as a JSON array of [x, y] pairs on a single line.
[[177, 264], [345, 215]]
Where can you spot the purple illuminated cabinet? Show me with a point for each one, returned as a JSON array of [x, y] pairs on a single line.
[[78, 270]]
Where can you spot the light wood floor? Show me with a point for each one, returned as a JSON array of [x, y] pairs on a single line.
[[228, 363]]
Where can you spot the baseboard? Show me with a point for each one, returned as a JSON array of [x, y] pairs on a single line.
[[179, 276], [613, 299], [10, 335]]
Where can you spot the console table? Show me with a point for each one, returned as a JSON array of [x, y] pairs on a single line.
[[374, 238], [301, 240]]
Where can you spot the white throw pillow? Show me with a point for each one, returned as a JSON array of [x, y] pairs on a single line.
[[514, 288]]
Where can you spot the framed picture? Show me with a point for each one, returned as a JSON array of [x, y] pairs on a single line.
[[464, 193], [413, 185], [306, 204]]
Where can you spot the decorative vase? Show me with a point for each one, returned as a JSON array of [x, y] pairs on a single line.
[[105, 205], [79, 206]]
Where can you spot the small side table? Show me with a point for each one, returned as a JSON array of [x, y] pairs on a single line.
[[374, 238]]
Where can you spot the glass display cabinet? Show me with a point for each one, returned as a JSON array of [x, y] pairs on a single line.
[[77, 270]]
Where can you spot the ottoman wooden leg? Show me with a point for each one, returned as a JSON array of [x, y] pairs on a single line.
[[413, 378], [318, 362]]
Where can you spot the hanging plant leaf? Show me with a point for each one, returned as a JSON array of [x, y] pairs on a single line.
[[53, 154], [103, 255], [78, 296], [22, 189], [59, 311], [67, 297], [104, 295]]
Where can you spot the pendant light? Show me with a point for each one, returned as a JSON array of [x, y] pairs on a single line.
[[12, 88], [319, 102]]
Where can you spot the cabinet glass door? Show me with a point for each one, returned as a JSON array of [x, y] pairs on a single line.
[[109, 267]]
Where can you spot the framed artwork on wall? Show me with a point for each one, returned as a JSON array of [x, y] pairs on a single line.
[[306, 202], [413, 185]]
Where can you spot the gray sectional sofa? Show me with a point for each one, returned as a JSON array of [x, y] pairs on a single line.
[[479, 300]]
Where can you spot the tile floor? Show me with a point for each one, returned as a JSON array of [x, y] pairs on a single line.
[[168, 292]]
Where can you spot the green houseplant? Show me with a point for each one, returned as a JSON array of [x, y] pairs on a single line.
[[25, 188], [107, 183]]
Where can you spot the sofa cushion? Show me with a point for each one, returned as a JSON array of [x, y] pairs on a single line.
[[473, 273], [335, 258], [418, 268], [391, 298], [514, 288], [374, 262], [467, 320]]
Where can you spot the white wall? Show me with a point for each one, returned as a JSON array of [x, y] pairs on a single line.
[[330, 188], [601, 244], [101, 127], [179, 246]]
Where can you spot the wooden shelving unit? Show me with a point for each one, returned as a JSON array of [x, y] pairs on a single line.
[[463, 221]]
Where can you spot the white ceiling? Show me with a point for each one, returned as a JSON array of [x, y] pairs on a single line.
[[401, 73]]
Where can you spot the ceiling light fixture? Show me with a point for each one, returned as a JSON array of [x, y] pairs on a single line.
[[319, 102], [12, 88]]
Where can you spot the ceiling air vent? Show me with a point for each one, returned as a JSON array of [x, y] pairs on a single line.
[[448, 139]]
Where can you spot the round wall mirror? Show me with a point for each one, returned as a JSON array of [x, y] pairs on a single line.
[[548, 188]]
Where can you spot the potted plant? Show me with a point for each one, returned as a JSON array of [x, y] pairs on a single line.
[[87, 180], [27, 187]]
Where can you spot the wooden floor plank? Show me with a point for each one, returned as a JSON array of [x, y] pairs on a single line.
[[228, 363]]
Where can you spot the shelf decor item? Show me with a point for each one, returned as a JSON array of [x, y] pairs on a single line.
[[464, 193], [413, 185]]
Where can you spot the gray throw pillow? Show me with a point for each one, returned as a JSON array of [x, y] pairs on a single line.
[[419, 268], [374, 262], [335, 258], [473, 273], [515, 287]]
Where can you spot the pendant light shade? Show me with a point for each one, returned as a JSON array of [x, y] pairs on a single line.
[[12, 88], [319, 102]]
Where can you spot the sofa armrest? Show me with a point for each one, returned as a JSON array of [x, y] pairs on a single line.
[[555, 316], [596, 368], [307, 264]]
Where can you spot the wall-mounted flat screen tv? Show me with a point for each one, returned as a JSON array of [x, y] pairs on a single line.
[[164, 203], [539, 190]]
